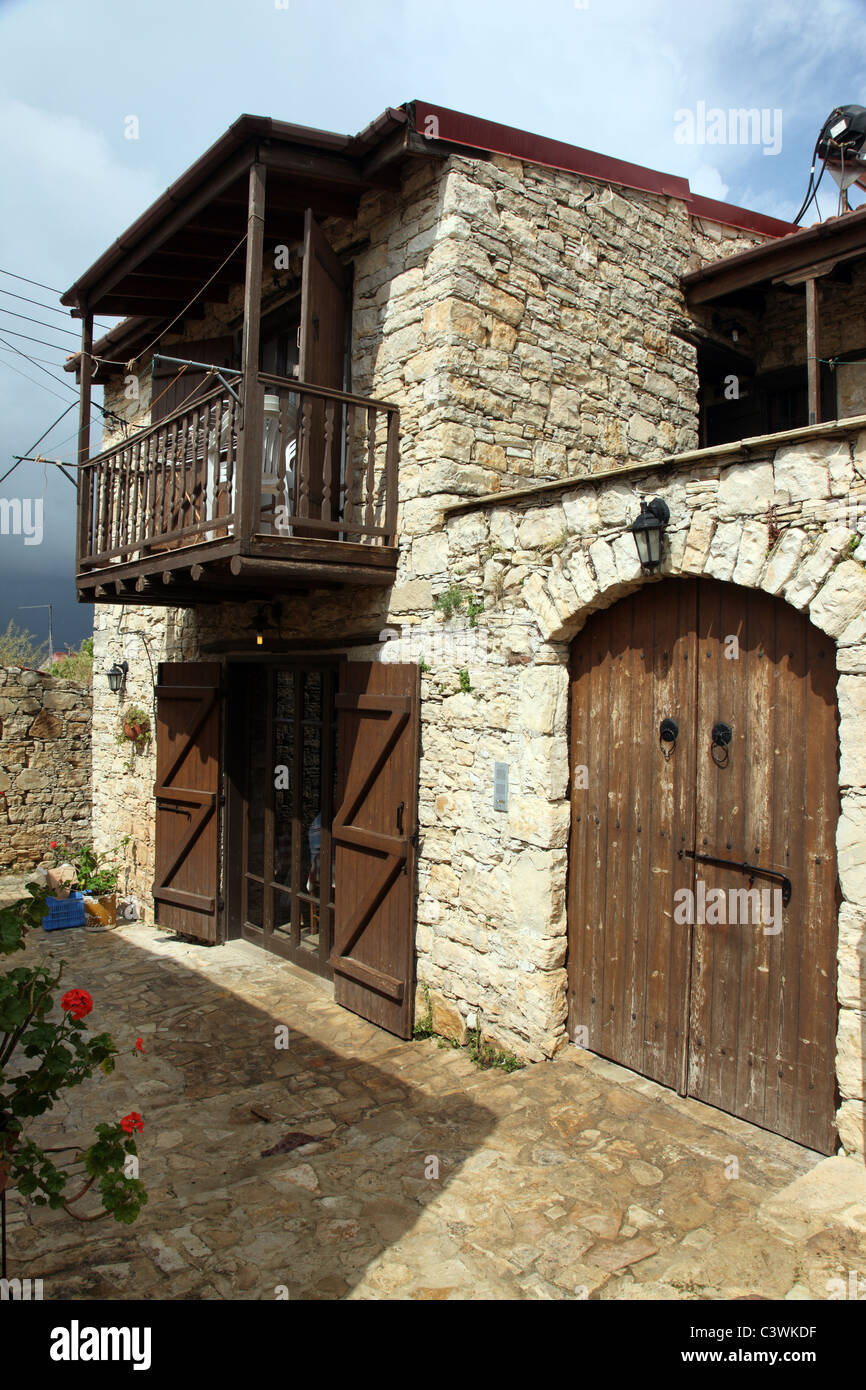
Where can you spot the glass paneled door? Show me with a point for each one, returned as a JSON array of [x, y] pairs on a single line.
[[288, 774]]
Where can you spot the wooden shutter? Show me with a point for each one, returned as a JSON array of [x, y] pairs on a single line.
[[191, 383], [374, 833], [323, 310], [322, 363], [185, 888]]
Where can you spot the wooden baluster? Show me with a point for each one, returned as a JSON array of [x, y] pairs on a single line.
[[134, 499], [230, 456], [328, 460], [391, 472], [149, 464], [370, 514], [112, 486], [283, 499], [349, 484], [304, 459]]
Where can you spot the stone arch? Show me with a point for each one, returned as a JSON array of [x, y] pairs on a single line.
[[814, 573]]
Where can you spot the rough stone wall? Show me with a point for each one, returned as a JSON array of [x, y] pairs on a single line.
[[44, 765], [123, 780]]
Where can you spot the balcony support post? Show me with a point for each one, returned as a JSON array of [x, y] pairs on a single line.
[[84, 546], [252, 413], [813, 366]]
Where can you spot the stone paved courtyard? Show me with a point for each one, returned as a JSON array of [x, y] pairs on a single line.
[[566, 1179]]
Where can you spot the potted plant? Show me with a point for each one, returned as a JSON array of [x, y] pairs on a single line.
[[96, 874], [134, 729]]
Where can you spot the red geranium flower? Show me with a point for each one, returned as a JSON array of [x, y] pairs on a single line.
[[139, 1043], [132, 1122], [77, 1002], [53, 844]]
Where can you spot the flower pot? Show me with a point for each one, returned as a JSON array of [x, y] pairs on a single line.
[[101, 911], [132, 732]]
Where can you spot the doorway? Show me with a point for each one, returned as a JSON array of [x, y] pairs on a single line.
[[702, 894], [282, 879]]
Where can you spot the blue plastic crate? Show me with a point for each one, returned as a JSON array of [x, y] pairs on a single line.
[[64, 912]]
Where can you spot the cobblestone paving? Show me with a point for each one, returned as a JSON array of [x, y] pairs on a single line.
[[567, 1179]]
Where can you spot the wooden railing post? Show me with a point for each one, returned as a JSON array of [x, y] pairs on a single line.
[[83, 545], [252, 420], [392, 454]]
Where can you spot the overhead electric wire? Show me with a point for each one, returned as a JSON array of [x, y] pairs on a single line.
[[40, 286], [38, 283], [41, 322], [31, 379], [13, 348], [28, 337], [42, 436]]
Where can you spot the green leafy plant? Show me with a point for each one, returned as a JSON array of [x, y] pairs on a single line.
[[486, 1056], [76, 665], [464, 682], [473, 608], [135, 730], [95, 871], [18, 647], [451, 601], [55, 1055], [424, 1026]]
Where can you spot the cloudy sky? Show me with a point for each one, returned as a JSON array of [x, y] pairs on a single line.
[[610, 75]]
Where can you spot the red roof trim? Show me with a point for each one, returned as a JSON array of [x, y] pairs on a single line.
[[459, 129]]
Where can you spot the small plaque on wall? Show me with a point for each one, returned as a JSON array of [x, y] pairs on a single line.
[[500, 786]]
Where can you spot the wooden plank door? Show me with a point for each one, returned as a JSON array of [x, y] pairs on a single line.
[[186, 879], [763, 1010], [738, 1013], [322, 363], [374, 834], [632, 810]]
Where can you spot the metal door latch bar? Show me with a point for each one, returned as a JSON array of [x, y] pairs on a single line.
[[750, 869]]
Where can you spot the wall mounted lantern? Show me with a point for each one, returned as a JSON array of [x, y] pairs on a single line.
[[647, 531], [261, 620], [117, 676]]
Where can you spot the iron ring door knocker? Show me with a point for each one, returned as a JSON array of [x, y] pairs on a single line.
[[721, 738], [668, 731]]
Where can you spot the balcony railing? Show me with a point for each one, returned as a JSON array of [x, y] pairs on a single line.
[[327, 470]]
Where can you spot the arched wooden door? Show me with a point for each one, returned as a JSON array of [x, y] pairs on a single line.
[[702, 874]]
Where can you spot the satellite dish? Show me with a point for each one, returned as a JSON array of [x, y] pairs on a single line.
[[842, 145]]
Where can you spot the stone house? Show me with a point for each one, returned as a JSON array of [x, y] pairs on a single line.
[[385, 411]]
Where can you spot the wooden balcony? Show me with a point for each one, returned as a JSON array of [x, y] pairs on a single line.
[[221, 502]]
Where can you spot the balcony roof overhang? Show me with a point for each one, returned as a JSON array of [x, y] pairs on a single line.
[[808, 253], [193, 231]]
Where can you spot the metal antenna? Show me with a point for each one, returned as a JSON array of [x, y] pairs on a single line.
[[50, 625]]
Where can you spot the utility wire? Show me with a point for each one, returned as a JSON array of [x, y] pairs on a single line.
[[49, 288], [31, 379], [42, 324], [40, 286], [61, 347], [58, 379], [39, 440]]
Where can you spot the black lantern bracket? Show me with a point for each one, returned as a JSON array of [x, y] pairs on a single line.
[[648, 529], [117, 676]]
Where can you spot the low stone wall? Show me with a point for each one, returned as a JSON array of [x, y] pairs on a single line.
[[44, 765]]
